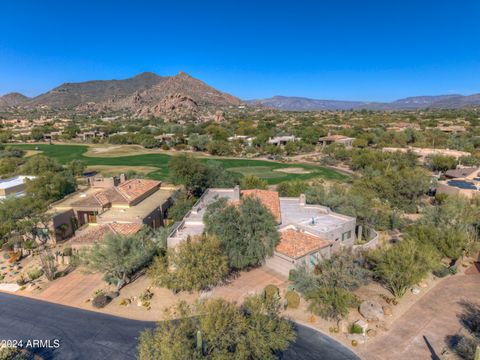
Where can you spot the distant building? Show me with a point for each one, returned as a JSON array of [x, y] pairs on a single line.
[[461, 181], [282, 140], [242, 138], [336, 139], [452, 129], [308, 233], [90, 135], [14, 187]]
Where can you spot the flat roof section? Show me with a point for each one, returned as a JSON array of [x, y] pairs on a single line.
[[316, 218], [15, 181]]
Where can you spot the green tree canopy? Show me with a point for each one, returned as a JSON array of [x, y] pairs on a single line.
[[403, 265], [120, 256], [195, 264], [252, 182], [247, 232], [221, 331]]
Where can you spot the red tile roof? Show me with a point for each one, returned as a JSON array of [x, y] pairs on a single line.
[[268, 198], [135, 188], [125, 193], [125, 229], [295, 243], [98, 232]]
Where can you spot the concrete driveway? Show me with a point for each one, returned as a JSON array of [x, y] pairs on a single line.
[[249, 283], [420, 333], [90, 335]]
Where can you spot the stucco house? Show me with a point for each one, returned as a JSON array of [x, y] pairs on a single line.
[[308, 233], [282, 140], [135, 201], [336, 139], [14, 186]]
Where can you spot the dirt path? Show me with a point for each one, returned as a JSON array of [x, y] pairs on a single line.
[[420, 333]]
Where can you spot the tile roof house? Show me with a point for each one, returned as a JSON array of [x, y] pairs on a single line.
[[308, 233], [296, 243], [92, 234], [269, 198], [135, 201]]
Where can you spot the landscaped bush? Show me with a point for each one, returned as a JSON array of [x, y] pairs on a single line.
[[21, 280], [34, 273], [271, 291], [441, 272], [355, 329], [100, 301], [293, 299], [14, 256], [8, 246]]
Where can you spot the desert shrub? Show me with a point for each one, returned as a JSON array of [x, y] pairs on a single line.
[[68, 251], [59, 274], [48, 264], [355, 329], [330, 302], [100, 301], [253, 182], [224, 331], [14, 256], [403, 265], [271, 291], [465, 347], [293, 299], [292, 188], [21, 280], [7, 246], [441, 272], [34, 273]]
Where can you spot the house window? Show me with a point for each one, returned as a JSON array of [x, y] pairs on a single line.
[[346, 235]]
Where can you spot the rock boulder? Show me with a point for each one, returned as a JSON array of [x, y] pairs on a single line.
[[371, 310]]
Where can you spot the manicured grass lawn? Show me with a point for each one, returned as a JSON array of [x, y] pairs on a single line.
[[261, 168]]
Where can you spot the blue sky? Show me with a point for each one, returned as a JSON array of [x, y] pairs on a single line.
[[352, 50]]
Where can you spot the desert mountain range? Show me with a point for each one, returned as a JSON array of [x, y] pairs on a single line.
[[151, 94]]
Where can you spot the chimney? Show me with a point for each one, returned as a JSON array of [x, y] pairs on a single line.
[[236, 193], [302, 200], [123, 178]]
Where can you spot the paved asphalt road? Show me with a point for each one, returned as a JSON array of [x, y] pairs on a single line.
[[91, 336]]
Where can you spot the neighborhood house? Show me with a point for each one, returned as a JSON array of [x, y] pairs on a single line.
[[308, 233], [111, 204], [14, 186]]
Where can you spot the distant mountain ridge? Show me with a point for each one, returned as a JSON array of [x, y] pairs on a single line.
[[12, 99], [146, 94], [74, 94], [149, 94], [292, 103]]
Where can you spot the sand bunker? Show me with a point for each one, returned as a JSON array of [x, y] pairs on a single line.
[[293, 170]]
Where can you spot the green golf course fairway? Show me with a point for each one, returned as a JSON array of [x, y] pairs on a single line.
[[261, 168]]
